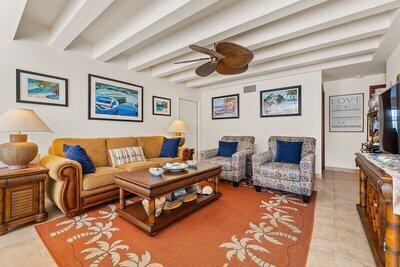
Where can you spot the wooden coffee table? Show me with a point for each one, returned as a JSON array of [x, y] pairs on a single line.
[[143, 184]]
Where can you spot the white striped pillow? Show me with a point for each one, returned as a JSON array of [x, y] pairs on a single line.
[[120, 156]]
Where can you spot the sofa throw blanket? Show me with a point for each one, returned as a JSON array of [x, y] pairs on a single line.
[[120, 156]]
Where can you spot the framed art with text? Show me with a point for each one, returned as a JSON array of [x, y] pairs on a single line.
[[346, 113], [43, 89], [225, 107], [115, 100], [279, 102]]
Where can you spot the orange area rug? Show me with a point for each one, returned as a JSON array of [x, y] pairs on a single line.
[[242, 228]]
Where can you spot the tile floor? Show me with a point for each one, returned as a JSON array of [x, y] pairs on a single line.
[[338, 238]]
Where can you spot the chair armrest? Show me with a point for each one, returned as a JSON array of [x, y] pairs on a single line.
[[259, 159], [183, 153], [239, 163], [66, 185], [307, 167], [209, 153], [241, 155]]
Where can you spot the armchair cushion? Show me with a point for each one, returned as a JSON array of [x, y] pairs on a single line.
[[288, 152], [227, 149], [283, 171], [225, 162]]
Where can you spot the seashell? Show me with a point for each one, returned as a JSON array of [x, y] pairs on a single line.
[[207, 190]]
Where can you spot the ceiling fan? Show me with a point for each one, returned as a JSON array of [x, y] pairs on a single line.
[[226, 58]]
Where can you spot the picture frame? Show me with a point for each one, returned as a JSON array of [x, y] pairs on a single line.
[[41, 89], [346, 113], [161, 106], [281, 102], [225, 107], [114, 100]]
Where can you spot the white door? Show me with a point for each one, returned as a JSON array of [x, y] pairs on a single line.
[[188, 113]]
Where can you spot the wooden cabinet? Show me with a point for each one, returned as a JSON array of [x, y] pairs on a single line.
[[21, 196], [381, 225]]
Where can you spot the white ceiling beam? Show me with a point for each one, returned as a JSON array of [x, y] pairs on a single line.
[[348, 61], [391, 39], [74, 19], [234, 19], [10, 16], [154, 18], [345, 50], [356, 30]]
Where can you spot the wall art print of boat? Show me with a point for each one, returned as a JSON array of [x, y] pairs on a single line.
[[106, 105]]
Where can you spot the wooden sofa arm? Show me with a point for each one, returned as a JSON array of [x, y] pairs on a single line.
[[64, 186]]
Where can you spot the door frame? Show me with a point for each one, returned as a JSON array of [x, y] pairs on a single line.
[[197, 150]]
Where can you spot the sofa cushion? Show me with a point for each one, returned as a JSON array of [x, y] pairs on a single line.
[[225, 162], [282, 171], [151, 145], [102, 177], [162, 161], [119, 142], [138, 165], [79, 154], [123, 155], [95, 148], [169, 147], [288, 152]]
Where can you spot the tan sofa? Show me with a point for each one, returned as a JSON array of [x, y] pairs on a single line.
[[74, 192]]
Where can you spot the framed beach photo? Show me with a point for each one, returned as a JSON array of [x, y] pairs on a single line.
[[115, 100], [225, 107], [161, 106], [281, 102], [43, 89]]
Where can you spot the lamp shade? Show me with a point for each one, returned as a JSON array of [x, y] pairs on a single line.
[[177, 127], [22, 120]]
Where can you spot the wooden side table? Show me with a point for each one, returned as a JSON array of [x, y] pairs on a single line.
[[22, 196]]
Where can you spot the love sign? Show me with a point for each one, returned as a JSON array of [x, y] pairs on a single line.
[[346, 113]]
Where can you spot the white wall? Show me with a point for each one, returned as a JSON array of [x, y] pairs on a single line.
[[250, 123], [340, 147], [72, 121], [393, 66]]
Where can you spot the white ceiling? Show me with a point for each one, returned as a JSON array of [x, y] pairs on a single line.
[[340, 37]]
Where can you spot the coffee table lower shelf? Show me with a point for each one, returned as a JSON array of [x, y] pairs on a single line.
[[136, 214]]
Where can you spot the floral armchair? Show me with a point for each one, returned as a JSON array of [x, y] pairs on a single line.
[[233, 168], [294, 178]]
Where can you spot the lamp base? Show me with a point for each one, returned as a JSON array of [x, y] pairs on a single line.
[[18, 153]]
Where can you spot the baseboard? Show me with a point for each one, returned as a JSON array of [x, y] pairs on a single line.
[[328, 168]]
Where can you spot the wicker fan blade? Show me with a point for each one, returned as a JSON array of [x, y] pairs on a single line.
[[206, 69], [224, 69], [236, 56], [193, 60], [206, 51]]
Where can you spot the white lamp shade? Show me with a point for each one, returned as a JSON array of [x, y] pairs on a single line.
[[177, 127], [22, 120]]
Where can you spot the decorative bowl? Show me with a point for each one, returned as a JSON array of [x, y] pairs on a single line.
[[192, 163], [175, 167], [156, 171]]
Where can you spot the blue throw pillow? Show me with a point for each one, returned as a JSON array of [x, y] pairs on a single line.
[[227, 149], [170, 147], [288, 152], [79, 154]]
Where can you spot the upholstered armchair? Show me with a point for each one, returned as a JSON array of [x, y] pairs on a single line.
[[293, 178], [233, 168]]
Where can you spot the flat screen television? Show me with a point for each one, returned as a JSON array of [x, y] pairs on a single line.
[[389, 120]]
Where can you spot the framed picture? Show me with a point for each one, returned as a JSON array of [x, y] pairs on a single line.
[[225, 107], [346, 113], [161, 106], [279, 102], [115, 100], [37, 88]]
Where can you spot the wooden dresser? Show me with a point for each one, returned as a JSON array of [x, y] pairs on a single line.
[[381, 226], [21, 196]]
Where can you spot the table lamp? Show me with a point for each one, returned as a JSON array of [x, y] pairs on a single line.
[[19, 152], [177, 127]]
